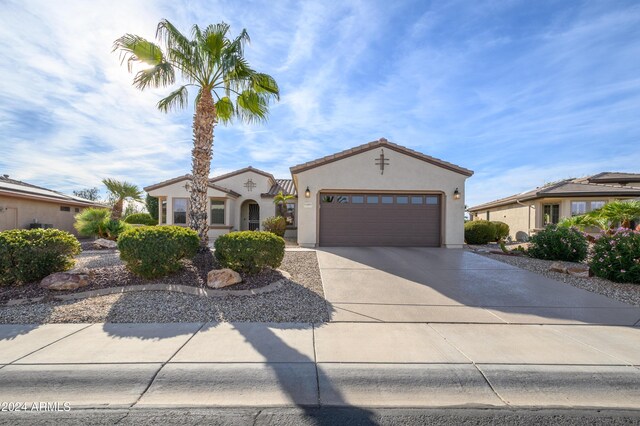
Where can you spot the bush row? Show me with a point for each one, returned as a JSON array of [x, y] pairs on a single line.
[[484, 231]]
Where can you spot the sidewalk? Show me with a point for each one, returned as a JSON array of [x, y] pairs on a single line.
[[335, 364]]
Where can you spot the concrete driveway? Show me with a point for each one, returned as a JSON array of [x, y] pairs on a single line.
[[388, 284]]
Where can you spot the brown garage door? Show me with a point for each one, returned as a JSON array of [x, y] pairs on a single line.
[[380, 220]]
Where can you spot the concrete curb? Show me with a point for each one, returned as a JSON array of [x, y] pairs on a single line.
[[178, 288]]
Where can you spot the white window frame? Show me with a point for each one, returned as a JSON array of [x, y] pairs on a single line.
[[173, 211], [224, 211]]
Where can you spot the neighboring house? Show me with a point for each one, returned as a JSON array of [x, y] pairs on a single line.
[[530, 211], [23, 205], [377, 194]]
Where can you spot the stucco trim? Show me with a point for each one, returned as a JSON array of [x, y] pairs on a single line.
[[381, 143], [241, 171], [188, 177]]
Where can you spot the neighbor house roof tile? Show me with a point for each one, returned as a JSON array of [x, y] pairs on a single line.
[[15, 187]]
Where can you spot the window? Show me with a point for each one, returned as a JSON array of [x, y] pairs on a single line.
[[180, 211], [387, 199], [416, 200], [551, 214], [578, 208], [342, 199], [595, 205], [327, 198], [163, 212], [402, 200], [77, 209], [290, 213], [432, 199], [217, 212], [65, 208], [372, 199], [357, 199]]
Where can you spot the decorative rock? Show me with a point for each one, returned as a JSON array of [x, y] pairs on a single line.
[[219, 278], [101, 243], [579, 271], [557, 267], [70, 280]]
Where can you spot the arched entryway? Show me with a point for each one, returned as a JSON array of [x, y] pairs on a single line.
[[249, 216]]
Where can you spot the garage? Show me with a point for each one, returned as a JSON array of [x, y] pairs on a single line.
[[380, 219]]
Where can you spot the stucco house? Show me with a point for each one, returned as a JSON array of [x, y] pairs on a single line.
[[532, 210], [24, 206], [376, 194]]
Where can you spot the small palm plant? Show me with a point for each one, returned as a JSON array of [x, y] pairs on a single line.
[[227, 87], [618, 213], [280, 200], [583, 222], [119, 192]]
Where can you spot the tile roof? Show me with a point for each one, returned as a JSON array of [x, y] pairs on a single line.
[[563, 188], [614, 177], [24, 189], [285, 185], [380, 143], [238, 172], [188, 177]]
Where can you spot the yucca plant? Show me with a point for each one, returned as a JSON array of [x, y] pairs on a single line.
[[119, 192], [618, 213], [227, 87]]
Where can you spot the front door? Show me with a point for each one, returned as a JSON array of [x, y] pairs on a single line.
[[254, 217]]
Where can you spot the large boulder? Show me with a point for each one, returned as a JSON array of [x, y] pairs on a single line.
[[579, 270], [218, 278], [102, 243], [557, 267], [70, 280]]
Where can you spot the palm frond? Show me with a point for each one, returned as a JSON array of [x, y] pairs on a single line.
[[134, 48], [161, 75], [177, 99], [122, 189], [265, 83], [225, 109]]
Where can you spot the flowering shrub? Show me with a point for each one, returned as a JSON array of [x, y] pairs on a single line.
[[616, 257], [559, 243]]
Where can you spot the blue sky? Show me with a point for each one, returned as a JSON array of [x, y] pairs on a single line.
[[521, 92]]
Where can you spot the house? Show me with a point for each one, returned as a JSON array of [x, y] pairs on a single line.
[[24, 206], [532, 210], [376, 194]]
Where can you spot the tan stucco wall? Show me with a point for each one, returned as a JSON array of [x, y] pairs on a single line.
[[359, 172], [28, 211], [519, 218]]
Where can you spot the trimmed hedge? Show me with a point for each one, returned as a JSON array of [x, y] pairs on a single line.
[[155, 251], [249, 251], [559, 243], [617, 257], [502, 230], [479, 232], [30, 255], [275, 224], [141, 219]]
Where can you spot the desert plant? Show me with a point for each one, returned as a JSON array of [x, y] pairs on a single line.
[[583, 221], [502, 230], [155, 251], [559, 243], [152, 207], [249, 251], [30, 255], [91, 222], [119, 192], [275, 224], [479, 232], [114, 227], [280, 200], [618, 213], [226, 86], [141, 219], [616, 256]]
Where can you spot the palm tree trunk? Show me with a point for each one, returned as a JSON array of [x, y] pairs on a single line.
[[204, 121], [116, 210]]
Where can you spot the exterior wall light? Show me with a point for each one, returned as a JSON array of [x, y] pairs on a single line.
[[456, 194], [307, 193]]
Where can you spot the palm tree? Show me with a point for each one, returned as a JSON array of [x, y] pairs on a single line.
[[119, 192], [280, 200], [227, 87], [619, 212]]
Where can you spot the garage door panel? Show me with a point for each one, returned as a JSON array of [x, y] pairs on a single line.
[[348, 224]]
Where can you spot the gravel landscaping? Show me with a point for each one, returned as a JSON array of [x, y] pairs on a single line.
[[627, 293], [300, 299]]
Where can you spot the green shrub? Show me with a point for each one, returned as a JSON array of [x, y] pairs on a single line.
[[617, 257], [249, 251], [152, 206], [113, 228], [275, 224], [30, 255], [559, 243], [479, 232], [502, 230], [155, 251], [91, 222], [141, 219]]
